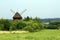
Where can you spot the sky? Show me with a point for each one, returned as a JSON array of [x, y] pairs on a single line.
[[39, 8]]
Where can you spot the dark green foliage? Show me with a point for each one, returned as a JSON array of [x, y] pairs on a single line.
[[20, 25], [27, 18], [53, 25], [1, 26], [36, 19], [7, 24], [33, 26], [27, 24]]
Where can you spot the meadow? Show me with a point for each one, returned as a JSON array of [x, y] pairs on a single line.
[[45, 34]]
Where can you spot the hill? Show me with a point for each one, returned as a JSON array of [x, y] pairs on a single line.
[[50, 19]]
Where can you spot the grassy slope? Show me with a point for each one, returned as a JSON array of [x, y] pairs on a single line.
[[42, 35]]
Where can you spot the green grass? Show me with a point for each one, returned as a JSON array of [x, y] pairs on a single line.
[[42, 35]]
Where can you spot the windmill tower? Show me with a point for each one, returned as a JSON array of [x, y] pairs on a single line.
[[17, 15]]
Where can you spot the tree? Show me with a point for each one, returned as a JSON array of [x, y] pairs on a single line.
[[7, 24], [37, 19], [33, 26], [27, 18], [54, 25]]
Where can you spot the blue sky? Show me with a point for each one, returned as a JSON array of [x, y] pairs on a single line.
[[39, 8]]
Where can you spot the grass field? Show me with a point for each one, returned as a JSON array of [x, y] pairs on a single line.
[[42, 35]]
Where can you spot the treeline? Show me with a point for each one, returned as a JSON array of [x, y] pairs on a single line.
[[52, 25], [27, 24], [50, 19]]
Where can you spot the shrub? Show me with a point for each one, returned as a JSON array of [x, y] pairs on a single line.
[[27, 24], [7, 25], [18, 25], [1, 26], [52, 27], [12, 26], [36, 19], [32, 26], [27, 18], [21, 25]]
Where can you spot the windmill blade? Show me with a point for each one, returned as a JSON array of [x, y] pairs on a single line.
[[12, 11], [23, 11]]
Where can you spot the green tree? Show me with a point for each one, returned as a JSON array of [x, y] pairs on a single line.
[[7, 24], [33, 26], [27, 18]]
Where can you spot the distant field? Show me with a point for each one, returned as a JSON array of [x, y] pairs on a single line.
[[42, 35]]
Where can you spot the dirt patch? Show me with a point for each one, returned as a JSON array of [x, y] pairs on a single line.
[[13, 31]]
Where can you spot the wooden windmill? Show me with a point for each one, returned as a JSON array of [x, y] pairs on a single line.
[[17, 15]]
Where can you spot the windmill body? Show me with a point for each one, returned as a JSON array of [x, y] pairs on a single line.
[[17, 16]]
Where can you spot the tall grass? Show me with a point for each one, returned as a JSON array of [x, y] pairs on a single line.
[[42, 35]]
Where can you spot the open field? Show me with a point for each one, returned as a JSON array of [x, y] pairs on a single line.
[[42, 35]]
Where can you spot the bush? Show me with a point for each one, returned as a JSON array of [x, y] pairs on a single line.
[[33, 26], [27, 18], [18, 25], [7, 24], [53, 25], [1, 26], [36, 19], [21, 25], [27, 24]]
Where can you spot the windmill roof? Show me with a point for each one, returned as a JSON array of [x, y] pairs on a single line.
[[17, 15]]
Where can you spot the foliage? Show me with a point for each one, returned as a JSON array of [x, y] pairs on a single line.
[[27, 18], [36, 19], [54, 25], [27, 24], [1, 26], [17, 25], [20, 24], [33, 26], [7, 24]]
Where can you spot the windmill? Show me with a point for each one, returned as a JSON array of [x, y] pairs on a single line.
[[17, 15]]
